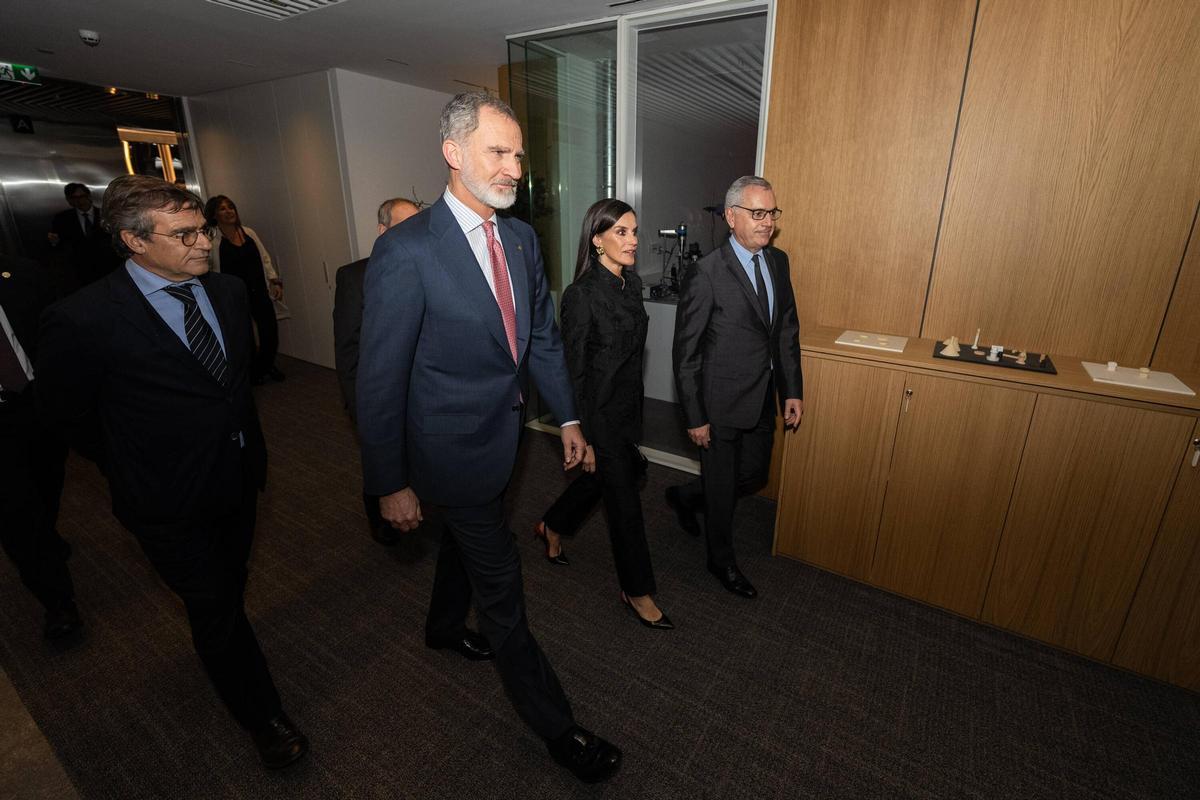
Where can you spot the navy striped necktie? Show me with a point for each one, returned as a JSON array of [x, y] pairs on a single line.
[[201, 339]]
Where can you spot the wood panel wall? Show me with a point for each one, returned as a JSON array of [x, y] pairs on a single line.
[[1053, 211], [864, 96], [1076, 174]]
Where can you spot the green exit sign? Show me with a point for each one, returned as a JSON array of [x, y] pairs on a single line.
[[19, 73]]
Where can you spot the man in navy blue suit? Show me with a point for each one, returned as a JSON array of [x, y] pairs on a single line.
[[457, 318]]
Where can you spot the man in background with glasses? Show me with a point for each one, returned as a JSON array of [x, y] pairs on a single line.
[[80, 240], [736, 352], [148, 372]]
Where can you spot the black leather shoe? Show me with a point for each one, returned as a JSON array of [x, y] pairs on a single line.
[[663, 623], [686, 516], [62, 621], [385, 534], [590, 758], [280, 743], [560, 560], [734, 581], [470, 645]]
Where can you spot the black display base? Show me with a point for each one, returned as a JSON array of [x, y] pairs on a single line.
[[1034, 362]]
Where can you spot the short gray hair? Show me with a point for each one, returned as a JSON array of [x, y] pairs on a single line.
[[129, 199], [733, 197], [460, 117], [384, 215]]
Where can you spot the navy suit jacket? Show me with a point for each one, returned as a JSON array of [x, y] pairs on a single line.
[[438, 391], [131, 396]]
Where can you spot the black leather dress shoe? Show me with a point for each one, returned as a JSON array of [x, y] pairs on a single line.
[[62, 621], [470, 645], [280, 743], [686, 516], [734, 581], [385, 534], [590, 758]]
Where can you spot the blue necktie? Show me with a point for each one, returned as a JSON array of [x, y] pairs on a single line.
[[201, 339]]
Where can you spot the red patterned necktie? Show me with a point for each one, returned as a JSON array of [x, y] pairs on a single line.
[[504, 297]]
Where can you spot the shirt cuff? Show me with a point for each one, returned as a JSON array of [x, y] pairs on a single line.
[[569, 422]]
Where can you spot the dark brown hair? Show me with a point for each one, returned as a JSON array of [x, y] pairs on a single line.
[[600, 216], [129, 199]]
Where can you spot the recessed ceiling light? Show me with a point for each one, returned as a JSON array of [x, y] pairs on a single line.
[[113, 90], [151, 95]]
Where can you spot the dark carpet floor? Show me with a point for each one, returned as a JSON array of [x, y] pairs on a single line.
[[820, 688]]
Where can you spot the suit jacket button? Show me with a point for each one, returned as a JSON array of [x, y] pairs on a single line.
[[233, 437]]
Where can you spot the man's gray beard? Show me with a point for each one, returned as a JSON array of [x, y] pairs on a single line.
[[492, 198]]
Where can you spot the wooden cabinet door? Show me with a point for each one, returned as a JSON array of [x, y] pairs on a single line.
[[1090, 495], [835, 465], [1162, 633], [958, 447]]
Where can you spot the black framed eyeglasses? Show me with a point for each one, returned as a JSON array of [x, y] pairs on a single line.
[[761, 213], [188, 238]]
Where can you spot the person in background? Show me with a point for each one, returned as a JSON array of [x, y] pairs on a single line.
[[239, 251], [148, 373], [79, 239], [32, 454], [604, 335], [347, 325]]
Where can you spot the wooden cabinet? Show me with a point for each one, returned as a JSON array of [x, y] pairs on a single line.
[[1048, 505], [957, 449], [1161, 636], [1092, 488], [835, 465]]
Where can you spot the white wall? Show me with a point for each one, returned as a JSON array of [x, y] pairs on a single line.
[[390, 146], [272, 147]]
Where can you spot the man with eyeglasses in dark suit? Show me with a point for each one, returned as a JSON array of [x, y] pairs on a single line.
[[148, 371], [736, 353]]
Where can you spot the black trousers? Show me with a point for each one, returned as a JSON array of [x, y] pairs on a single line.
[[262, 311], [478, 553], [32, 459], [736, 463], [203, 560], [619, 469]]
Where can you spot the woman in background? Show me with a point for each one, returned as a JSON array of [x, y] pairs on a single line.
[[238, 250], [604, 335]]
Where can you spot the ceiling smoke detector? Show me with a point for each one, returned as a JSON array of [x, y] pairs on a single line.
[[90, 38]]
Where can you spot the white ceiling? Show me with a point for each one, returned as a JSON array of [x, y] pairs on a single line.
[[189, 47]]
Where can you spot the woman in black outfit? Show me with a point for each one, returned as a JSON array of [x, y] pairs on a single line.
[[238, 250], [604, 334]]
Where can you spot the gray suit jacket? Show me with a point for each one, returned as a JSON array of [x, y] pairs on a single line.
[[347, 326], [725, 352]]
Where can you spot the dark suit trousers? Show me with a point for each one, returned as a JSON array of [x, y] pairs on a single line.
[[736, 463], [478, 549], [262, 311], [619, 469], [31, 482], [203, 560]]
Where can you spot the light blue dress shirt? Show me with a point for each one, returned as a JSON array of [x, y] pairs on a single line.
[[743, 257], [171, 309]]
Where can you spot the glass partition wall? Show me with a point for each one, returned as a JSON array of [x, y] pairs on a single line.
[[661, 109]]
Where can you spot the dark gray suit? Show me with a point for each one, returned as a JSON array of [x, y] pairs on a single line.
[[347, 327], [730, 364]]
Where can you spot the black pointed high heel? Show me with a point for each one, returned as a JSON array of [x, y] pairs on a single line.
[[560, 560], [663, 623]]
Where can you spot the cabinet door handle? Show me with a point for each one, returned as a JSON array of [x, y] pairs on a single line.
[[1196, 451], [907, 397]]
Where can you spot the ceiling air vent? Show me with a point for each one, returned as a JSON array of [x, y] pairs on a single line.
[[277, 9]]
